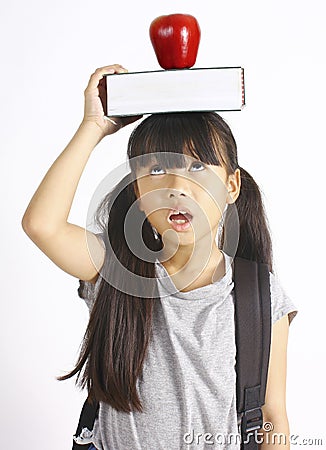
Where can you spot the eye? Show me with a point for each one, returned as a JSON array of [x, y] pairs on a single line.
[[157, 170], [197, 166]]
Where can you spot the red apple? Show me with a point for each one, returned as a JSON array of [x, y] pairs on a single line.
[[175, 39]]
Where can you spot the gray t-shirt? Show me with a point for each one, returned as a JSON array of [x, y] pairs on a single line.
[[188, 387]]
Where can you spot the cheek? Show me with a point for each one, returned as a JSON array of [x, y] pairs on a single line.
[[150, 201], [211, 213], [157, 219], [213, 195]]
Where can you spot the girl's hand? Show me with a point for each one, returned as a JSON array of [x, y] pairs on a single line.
[[95, 100]]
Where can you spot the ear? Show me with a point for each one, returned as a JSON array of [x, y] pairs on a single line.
[[234, 185]]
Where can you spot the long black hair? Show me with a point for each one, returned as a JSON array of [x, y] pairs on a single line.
[[119, 329]]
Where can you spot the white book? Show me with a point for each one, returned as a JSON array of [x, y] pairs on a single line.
[[202, 89]]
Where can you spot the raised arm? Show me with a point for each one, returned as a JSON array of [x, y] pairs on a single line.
[[46, 218]]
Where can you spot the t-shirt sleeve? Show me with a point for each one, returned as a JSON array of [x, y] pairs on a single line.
[[281, 303], [87, 290]]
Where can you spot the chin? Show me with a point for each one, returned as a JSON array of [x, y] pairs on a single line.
[[180, 238]]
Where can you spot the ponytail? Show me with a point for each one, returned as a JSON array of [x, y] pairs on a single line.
[[254, 241], [118, 333]]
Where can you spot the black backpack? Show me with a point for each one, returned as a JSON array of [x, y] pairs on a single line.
[[253, 338]]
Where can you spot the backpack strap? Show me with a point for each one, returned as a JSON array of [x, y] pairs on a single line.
[[84, 432], [253, 338]]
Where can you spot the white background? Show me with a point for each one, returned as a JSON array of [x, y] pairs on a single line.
[[48, 51]]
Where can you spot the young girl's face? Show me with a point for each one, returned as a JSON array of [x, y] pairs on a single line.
[[185, 203]]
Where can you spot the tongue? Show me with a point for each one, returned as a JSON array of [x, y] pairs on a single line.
[[178, 217]]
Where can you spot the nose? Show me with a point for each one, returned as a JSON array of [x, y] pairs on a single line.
[[176, 193], [178, 186]]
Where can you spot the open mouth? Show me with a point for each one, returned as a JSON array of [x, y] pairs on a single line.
[[179, 217]]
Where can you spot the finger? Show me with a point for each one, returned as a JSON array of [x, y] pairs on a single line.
[[102, 92], [100, 72], [97, 76]]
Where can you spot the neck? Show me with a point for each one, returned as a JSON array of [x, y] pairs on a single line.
[[200, 260]]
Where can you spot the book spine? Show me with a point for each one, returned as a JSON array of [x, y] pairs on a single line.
[[243, 88]]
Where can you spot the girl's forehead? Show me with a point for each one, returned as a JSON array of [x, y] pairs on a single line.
[[167, 159], [170, 157]]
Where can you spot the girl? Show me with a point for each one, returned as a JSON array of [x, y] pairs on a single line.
[[159, 349]]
